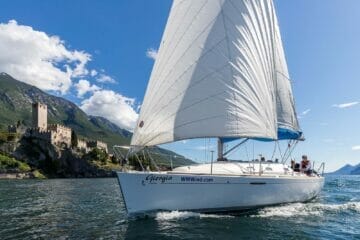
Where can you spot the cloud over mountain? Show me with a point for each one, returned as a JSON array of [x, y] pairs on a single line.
[[84, 86], [113, 106], [39, 59], [43, 60]]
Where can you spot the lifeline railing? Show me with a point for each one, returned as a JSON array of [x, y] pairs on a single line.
[[322, 168]]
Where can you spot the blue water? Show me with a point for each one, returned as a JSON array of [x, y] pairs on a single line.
[[93, 209]]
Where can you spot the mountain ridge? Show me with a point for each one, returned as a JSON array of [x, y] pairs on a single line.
[[347, 169], [16, 100]]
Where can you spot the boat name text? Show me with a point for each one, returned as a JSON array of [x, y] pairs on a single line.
[[154, 179]]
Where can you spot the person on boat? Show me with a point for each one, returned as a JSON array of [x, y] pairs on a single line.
[[292, 164], [305, 165]]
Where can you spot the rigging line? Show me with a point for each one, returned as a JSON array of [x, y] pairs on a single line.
[[274, 151], [291, 151], [248, 158], [137, 157], [277, 142], [291, 147], [151, 159], [236, 146], [209, 149], [247, 152], [253, 151], [286, 151], [205, 149]]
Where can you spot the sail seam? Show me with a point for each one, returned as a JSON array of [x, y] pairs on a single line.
[[165, 62], [229, 57]]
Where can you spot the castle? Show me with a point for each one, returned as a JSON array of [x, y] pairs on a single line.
[[57, 134]]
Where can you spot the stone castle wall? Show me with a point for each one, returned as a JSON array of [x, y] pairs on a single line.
[[60, 134], [97, 144]]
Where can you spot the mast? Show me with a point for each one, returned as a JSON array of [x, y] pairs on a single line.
[[220, 150]]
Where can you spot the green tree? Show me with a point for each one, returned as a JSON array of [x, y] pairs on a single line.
[[74, 139], [114, 160], [98, 155]]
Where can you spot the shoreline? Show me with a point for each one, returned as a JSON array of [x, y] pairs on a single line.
[[28, 175], [31, 175]]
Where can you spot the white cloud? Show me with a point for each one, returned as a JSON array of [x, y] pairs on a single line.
[[356, 148], [306, 112], [93, 73], [113, 106], [345, 105], [105, 79], [84, 86], [39, 59], [151, 53]]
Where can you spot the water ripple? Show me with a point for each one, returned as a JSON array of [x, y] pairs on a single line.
[[93, 209]]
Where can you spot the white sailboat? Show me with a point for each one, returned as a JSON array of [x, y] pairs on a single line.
[[220, 73]]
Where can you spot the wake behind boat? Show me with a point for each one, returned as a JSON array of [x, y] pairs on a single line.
[[220, 73]]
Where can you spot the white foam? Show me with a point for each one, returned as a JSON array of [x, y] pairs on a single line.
[[179, 215], [306, 209]]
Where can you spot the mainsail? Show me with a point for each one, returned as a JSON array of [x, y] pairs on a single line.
[[220, 72], [288, 126]]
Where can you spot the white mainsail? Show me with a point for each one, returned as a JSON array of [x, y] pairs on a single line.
[[217, 74], [286, 115]]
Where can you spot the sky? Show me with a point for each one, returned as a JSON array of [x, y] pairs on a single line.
[[99, 54]]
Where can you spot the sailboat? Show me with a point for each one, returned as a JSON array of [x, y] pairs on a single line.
[[220, 73]]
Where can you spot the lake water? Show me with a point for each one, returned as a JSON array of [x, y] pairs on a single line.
[[93, 209]]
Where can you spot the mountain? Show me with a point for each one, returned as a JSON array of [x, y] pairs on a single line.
[[15, 105], [347, 170], [356, 171]]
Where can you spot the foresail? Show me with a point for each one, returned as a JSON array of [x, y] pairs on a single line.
[[288, 126], [214, 75]]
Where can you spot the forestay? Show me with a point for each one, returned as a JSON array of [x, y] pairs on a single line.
[[220, 72]]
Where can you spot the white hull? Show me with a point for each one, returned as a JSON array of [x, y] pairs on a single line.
[[145, 192]]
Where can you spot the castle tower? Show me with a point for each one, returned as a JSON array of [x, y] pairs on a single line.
[[39, 115]]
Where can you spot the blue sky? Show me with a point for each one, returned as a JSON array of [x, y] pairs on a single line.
[[321, 40]]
